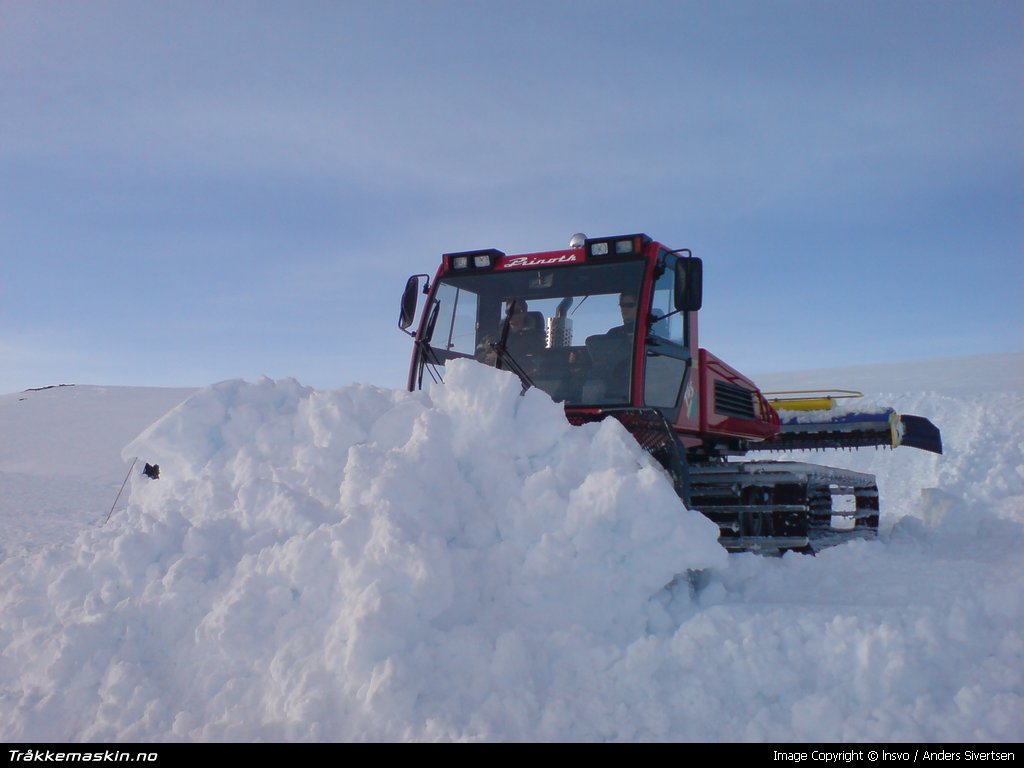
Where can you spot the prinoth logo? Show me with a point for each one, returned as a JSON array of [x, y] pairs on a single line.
[[539, 261], [688, 398]]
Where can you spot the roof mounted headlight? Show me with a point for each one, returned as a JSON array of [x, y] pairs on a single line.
[[472, 260], [617, 247]]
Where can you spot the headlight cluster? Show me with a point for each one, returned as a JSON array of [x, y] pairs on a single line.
[[467, 260], [608, 247]]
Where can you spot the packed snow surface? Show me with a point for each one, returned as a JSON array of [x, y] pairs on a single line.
[[368, 564]]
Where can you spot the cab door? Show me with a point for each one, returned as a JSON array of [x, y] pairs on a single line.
[[667, 355]]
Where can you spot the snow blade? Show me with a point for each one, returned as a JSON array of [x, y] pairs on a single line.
[[918, 432]]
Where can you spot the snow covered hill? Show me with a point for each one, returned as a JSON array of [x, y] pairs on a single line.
[[462, 564]]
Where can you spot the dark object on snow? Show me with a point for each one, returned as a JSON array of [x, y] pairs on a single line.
[[51, 386], [152, 471]]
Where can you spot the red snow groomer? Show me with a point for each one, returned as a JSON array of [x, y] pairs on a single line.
[[608, 327]]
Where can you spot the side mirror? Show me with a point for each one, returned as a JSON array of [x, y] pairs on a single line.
[[689, 285], [409, 301]]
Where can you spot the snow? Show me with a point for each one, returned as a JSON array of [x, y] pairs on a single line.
[[461, 564], [60, 455]]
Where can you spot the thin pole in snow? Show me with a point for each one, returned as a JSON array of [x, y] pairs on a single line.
[[134, 462]]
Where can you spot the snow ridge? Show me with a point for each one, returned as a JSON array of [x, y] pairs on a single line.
[[357, 564], [367, 564]]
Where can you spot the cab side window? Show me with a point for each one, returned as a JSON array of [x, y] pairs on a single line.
[[666, 354], [455, 329], [662, 305]]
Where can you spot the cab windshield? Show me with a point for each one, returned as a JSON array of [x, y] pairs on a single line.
[[569, 329]]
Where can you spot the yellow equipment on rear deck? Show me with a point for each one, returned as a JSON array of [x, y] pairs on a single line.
[[809, 399]]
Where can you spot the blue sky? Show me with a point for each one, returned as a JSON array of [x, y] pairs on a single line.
[[194, 191]]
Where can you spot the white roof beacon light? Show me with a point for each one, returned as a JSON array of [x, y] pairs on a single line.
[[577, 240]]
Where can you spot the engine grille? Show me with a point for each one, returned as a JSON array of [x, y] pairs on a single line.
[[732, 400]]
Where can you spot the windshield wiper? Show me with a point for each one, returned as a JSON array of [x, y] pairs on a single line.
[[500, 348], [652, 319], [428, 355]]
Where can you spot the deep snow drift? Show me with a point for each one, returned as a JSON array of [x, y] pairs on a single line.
[[462, 564]]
